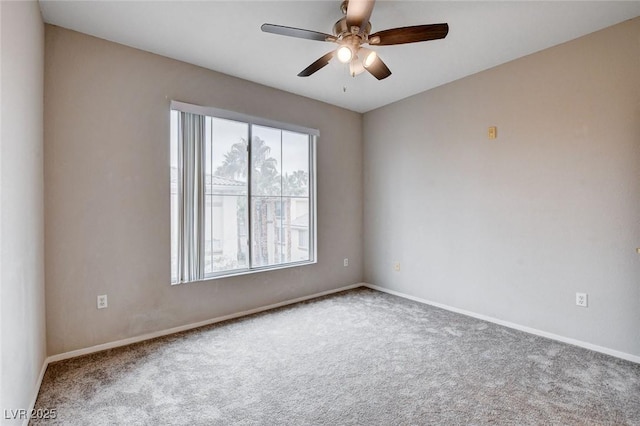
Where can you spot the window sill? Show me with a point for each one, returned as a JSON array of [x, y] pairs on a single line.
[[241, 272]]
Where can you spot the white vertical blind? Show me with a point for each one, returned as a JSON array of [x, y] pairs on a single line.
[[190, 196]]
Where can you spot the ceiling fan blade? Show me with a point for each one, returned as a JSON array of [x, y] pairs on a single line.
[[320, 63], [409, 34], [296, 32], [359, 13], [378, 69]]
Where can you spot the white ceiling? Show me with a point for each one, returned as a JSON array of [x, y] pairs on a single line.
[[225, 36]]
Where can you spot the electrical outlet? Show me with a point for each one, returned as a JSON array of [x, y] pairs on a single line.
[[396, 266], [346, 261], [102, 301], [582, 299]]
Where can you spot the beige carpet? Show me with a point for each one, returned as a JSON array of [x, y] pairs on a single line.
[[358, 357]]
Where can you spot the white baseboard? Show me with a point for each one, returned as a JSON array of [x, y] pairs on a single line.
[[586, 345], [148, 336]]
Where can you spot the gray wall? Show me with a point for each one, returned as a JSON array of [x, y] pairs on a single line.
[[23, 348], [512, 228], [107, 192]]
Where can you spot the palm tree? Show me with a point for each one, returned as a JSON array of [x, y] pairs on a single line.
[[295, 183], [234, 165], [265, 173]]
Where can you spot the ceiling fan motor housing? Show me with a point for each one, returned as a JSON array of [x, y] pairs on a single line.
[[340, 28]]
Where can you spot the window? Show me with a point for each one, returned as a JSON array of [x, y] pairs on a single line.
[[242, 194]]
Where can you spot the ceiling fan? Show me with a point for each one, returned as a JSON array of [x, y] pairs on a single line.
[[352, 32]]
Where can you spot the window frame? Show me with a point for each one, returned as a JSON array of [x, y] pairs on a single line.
[[258, 121]]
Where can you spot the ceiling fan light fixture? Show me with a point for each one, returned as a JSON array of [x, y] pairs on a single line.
[[344, 54], [369, 58]]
